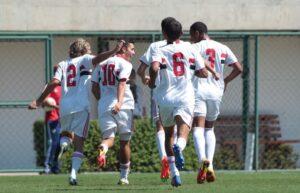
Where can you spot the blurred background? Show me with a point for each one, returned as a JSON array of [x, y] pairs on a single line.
[[258, 127]]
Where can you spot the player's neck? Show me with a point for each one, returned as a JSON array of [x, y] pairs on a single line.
[[175, 41], [123, 56]]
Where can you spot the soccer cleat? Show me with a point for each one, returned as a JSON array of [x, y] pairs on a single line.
[[165, 170], [176, 181], [202, 174], [179, 159], [63, 149], [123, 181], [101, 158], [73, 182], [210, 175]]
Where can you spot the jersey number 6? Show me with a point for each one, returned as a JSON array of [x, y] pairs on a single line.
[[178, 65]]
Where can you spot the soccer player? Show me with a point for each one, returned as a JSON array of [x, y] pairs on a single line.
[[208, 93], [175, 92], [53, 130], [115, 106], [146, 60], [74, 75]]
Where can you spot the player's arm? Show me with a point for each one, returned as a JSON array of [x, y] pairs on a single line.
[[49, 88], [141, 72], [211, 70], [120, 96], [237, 69], [96, 90], [153, 71], [104, 55]]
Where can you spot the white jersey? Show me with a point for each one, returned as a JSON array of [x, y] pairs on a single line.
[[176, 88], [74, 75], [218, 55], [147, 57], [107, 75]]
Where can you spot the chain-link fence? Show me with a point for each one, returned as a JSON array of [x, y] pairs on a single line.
[[262, 103]]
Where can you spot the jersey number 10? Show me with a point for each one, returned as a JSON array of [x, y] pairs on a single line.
[[108, 75]]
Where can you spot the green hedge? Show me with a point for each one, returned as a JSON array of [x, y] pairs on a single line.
[[144, 155]]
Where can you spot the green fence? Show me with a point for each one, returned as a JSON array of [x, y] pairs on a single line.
[[261, 104]]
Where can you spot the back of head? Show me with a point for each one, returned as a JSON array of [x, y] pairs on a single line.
[[79, 47], [199, 26], [165, 21], [173, 30]]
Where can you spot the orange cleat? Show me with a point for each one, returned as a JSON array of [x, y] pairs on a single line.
[[202, 174], [165, 170], [101, 158], [210, 175]]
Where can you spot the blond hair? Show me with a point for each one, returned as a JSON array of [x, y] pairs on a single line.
[[79, 47]]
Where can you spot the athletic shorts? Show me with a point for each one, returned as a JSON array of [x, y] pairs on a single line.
[[167, 115], [210, 109], [76, 122], [122, 123]]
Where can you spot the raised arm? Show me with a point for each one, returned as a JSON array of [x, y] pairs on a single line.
[[96, 90], [104, 55]]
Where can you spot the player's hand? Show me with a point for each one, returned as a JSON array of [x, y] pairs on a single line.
[[216, 76], [33, 105], [146, 80], [116, 108], [119, 45]]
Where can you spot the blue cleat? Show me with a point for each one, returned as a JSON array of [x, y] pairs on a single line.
[[176, 181], [179, 159]]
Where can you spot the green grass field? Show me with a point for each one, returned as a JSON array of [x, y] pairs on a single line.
[[227, 182]]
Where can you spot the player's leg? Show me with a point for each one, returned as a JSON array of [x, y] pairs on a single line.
[[167, 119], [80, 126], [213, 110], [199, 139], [66, 135], [169, 143], [183, 117], [108, 127], [47, 162], [125, 125], [55, 136], [160, 141]]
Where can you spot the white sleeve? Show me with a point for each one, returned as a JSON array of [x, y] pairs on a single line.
[[147, 56], [96, 75], [156, 56], [199, 62], [125, 71], [87, 59], [230, 57], [59, 73]]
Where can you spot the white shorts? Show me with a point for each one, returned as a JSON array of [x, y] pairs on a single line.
[[210, 109], [121, 123], [167, 115], [76, 122]]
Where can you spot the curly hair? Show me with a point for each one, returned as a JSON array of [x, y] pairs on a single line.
[[79, 47]]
